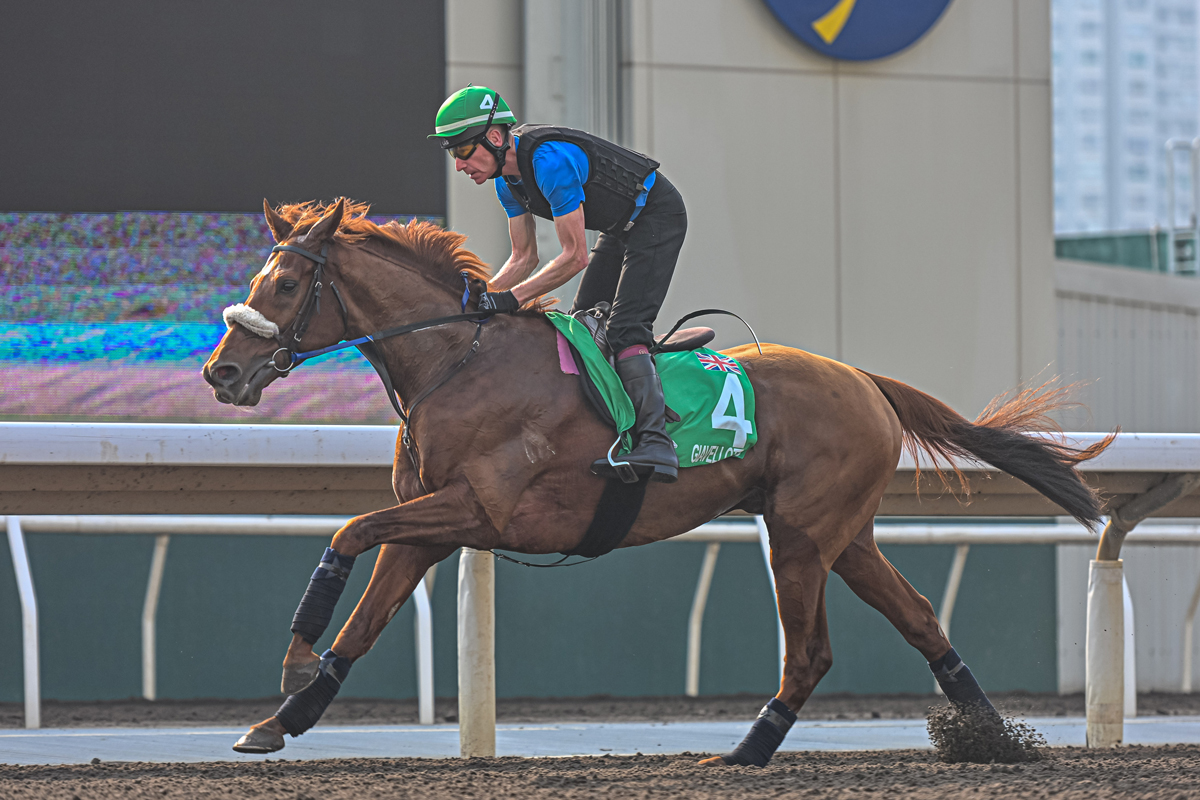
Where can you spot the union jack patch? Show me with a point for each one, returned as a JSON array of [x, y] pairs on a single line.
[[718, 363]]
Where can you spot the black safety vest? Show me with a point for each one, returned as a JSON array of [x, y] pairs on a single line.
[[614, 180]]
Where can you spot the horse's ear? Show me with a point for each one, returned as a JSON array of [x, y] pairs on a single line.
[[281, 229], [327, 226]]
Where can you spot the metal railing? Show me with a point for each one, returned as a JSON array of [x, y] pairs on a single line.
[[961, 536], [163, 527], [748, 530]]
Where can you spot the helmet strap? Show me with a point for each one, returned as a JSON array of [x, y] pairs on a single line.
[[498, 153]]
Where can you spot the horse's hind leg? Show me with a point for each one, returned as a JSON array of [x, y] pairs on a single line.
[[800, 576], [877, 583], [398, 570]]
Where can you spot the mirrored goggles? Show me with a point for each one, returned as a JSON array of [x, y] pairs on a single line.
[[463, 150]]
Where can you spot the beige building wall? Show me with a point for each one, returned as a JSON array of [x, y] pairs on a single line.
[[484, 41], [893, 214]]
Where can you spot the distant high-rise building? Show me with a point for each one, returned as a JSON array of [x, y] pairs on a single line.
[[1124, 83]]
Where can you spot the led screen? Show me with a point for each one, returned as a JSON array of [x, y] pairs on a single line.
[[111, 316]]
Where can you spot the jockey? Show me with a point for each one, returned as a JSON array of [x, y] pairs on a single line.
[[580, 181]]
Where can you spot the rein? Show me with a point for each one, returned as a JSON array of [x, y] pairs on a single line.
[[312, 305], [307, 308]]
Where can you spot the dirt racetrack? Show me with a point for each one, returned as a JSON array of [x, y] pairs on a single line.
[[1169, 773]]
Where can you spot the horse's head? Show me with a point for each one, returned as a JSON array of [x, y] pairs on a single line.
[[282, 313]]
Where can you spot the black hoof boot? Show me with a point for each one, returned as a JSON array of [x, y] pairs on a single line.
[[764, 738], [958, 684]]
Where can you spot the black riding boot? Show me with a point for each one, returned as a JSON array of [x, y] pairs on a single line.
[[653, 451]]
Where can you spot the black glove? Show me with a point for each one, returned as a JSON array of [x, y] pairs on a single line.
[[500, 302]]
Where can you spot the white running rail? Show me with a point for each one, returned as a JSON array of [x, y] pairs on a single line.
[[163, 527], [749, 530]]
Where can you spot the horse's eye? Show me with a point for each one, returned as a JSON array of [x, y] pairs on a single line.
[[288, 286]]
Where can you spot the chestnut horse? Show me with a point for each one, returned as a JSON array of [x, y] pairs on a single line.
[[500, 458]]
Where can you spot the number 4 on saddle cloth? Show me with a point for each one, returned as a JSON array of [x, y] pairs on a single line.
[[710, 401], [710, 413]]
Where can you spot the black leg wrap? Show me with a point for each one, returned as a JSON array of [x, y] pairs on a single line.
[[765, 736], [301, 711], [956, 680], [316, 607]]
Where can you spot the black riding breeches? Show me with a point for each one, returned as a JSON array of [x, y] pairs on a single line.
[[632, 271]]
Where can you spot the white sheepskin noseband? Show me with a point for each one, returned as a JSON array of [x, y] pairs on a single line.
[[251, 320]]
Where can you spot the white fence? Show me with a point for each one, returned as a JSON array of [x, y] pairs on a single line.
[[714, 534], [163, 527]]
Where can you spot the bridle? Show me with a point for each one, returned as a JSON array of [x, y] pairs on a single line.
[[309, 307]]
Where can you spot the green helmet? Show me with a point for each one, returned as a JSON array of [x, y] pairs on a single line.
[[468, 111]]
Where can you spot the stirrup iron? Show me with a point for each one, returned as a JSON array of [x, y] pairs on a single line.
[[624, 469]]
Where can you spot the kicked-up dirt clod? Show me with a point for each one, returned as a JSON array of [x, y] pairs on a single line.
[[975, 735]]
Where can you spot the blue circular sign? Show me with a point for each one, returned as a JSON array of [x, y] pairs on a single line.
[[858, 30]]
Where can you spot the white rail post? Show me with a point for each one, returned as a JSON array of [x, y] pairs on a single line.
[[424, 635], [1130, 660], [29, 623], [476, 653], [1104, 654], [149, 616], [696, 619], [764, 539]]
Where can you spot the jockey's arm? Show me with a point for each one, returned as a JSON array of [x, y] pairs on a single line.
[[524, 259], [574, 257]]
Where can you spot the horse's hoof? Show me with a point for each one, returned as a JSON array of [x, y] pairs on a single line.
[[298, 678], [259, 740]]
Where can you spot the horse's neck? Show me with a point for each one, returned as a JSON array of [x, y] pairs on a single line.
[[415, 361]]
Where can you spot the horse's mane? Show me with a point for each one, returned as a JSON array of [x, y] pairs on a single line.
[[421, 241]]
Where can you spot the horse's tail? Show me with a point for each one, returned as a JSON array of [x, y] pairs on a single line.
[[999, 437]]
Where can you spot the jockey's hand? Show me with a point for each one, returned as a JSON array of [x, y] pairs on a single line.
[[500, 302]]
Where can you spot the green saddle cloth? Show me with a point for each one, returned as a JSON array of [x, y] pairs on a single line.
[[709, 391]]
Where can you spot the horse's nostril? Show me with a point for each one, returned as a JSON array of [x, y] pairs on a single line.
[[225, 374]]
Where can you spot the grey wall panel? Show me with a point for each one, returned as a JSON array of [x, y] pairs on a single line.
[[1137, 364], [1132, 341], [1161, 581], [210, 106]]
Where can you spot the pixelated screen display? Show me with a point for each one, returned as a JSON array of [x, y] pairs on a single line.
[[111, 317]]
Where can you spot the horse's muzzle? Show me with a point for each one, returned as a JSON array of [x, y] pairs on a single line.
[[230, 384]]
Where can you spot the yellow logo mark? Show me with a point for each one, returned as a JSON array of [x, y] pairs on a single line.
[[829, 27]]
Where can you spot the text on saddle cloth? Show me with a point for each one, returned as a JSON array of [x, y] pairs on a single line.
[[707, 390]]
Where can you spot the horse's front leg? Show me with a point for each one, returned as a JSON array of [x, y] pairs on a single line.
[[449, 517], [420, 533]]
